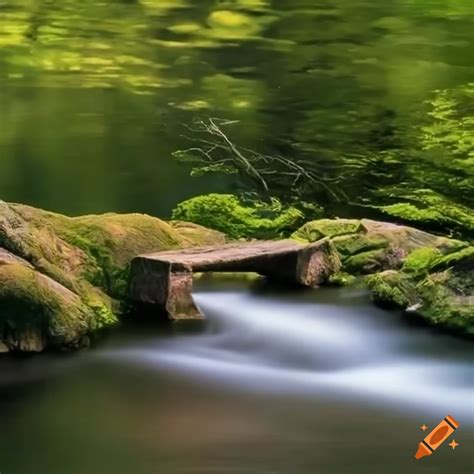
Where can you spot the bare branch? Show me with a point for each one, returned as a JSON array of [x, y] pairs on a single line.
[[217, 152]]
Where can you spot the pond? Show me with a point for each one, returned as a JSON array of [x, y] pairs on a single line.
[[313, 381], [94, 94]]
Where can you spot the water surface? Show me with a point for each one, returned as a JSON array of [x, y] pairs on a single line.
[[317, 381], [93, 94]]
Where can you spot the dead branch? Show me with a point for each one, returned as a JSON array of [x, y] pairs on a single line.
[[213, 150]]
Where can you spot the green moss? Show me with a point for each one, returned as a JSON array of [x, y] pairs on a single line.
[[103, 317], [342, 279], [420, 260], [71, 270], [443, 306], [195, 234], [36, 311], [229, 214], [351, 244], [426, 259], [315, 230], [367, 262], [389, 288], [463, 258], [430, 210]]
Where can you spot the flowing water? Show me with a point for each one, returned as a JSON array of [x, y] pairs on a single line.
[[307, 382]]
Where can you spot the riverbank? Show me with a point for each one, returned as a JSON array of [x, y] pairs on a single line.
[[63, 279]]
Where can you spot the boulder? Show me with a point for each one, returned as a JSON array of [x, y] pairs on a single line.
[[366, 246], [63, 278], [419, 272], [437, 286]]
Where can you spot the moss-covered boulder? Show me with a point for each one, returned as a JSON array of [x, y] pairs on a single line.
[[316, 230], [63, 278], [366, 246], [36, 311], [436, 284], [419, 272], [195, 234]]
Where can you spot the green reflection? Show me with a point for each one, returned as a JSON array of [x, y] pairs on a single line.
[[94, 95]]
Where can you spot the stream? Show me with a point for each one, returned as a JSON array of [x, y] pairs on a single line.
[[316, 381]]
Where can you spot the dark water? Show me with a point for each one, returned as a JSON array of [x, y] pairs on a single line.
[[295, 383], [93, 94]]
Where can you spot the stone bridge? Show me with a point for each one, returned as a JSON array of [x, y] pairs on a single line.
[[165, 279]]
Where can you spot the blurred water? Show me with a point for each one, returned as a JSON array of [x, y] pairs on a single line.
[[274, 346], [294, 383]]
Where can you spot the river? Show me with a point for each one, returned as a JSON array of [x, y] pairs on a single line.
[[316, 381]]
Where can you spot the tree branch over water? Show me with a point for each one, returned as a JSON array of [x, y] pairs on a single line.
[[214, 151]]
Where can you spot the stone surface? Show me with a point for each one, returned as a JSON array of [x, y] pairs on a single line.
[[437, 286], [63, 278], [165, 278], [366, 246]]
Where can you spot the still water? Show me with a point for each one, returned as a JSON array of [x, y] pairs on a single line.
[[94, 94], [318, 381]]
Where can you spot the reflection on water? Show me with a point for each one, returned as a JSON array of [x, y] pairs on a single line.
[[97, 92], [296, 383]]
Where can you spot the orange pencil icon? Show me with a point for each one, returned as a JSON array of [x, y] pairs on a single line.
[[437, 437]]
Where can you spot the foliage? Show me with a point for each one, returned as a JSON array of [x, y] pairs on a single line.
[[450, 127], [238, 219], [430, 210]]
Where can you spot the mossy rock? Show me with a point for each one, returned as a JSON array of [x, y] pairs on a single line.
[[351, 244], [369, 262], [316, 230], [445, 303], [36, 311], [341, 279], [439, 288], [390, 288], [195, 234], [63, 278]]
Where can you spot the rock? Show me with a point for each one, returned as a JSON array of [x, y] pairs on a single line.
[[419, 272], [316, 230], [366, 246], [195, 234], [438, 287], [63, 278], [317, 262], [36, 311]]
